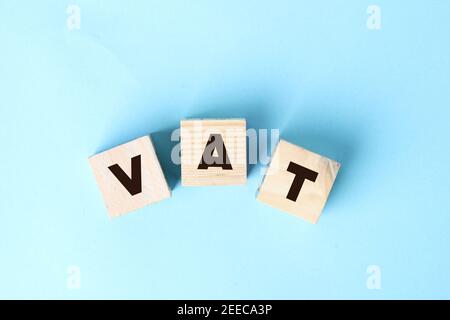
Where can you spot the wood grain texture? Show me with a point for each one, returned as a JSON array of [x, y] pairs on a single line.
[[278, 180], [194, 137], [117, 199]]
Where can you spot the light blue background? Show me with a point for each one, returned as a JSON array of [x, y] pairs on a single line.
[[376, 101]]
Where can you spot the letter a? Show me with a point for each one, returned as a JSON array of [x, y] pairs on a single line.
[[215, 143]]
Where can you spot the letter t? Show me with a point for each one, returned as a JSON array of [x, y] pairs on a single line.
[[301, 174]]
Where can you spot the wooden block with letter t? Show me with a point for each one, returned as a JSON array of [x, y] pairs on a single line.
[[213, 152], [129, 176], [298, 181]]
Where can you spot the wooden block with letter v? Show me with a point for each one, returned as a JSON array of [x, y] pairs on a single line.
[[298, 181], [213, 152], [129, 176]]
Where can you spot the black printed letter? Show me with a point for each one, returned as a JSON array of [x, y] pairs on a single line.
[[215, 142], [133, 185], [301, 173]]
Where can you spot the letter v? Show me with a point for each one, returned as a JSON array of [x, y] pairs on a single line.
[[133, 185]]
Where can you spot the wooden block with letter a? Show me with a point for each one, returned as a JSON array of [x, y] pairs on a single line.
[[298, 181], [213, 152], [129, 176]]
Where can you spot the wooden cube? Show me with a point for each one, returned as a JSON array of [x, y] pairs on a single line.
[[298, 181], [129, 176], [213, 152]]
